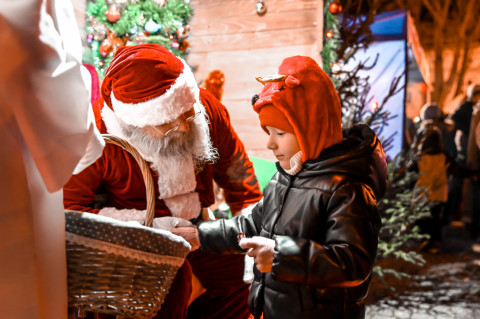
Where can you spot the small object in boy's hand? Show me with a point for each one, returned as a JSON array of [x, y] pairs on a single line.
[[240, 236]]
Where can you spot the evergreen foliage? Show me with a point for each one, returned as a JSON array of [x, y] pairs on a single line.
[[399, 209], [140, 21]]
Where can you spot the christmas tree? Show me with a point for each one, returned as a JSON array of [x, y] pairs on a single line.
[[114, 23], [347, 29]]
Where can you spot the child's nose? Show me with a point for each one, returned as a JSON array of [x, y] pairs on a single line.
[[270, 144]]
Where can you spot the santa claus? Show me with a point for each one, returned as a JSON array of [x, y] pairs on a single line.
[[151, 99]]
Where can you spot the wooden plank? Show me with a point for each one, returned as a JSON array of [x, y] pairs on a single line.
[[205, 26], [253, 40], [242, 66], [216, 9]]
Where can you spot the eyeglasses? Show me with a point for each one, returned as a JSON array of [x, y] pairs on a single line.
[[173, 129]]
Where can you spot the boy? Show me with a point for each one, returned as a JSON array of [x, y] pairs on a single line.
[[314, 235]]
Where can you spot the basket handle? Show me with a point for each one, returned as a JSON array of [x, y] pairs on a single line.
[[147, 176]]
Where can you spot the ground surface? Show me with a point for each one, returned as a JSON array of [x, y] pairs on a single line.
[[447, 286]]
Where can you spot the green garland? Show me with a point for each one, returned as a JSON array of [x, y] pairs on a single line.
[[329, 50], [173, 16]]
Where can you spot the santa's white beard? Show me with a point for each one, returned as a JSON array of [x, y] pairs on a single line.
[[176, 158]]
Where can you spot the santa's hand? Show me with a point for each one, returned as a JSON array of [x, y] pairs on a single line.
[[190, 234], [168, 222], [261, 249]]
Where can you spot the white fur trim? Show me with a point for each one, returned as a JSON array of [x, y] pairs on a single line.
[[186, 206], [181, 179], [111, 122], [124, 214], [178, 99]]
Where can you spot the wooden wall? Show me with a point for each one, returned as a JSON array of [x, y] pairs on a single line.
[[228, 35]]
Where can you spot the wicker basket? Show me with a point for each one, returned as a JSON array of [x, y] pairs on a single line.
[[121, 268]]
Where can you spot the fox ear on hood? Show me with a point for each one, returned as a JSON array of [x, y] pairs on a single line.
[[291, 82]]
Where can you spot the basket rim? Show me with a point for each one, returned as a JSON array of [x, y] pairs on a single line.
[[123, 251]]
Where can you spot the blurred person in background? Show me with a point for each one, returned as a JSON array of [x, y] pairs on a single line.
[[473, 163], [461, 117], [433, 164]]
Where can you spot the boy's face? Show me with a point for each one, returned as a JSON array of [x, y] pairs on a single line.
[[283, 145]]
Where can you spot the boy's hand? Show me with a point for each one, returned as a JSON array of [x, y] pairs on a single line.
[[261, 249]]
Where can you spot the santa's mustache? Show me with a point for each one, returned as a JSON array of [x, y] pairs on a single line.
[[194, 142]]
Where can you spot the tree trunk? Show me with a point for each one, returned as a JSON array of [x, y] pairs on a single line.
[[437, 90]]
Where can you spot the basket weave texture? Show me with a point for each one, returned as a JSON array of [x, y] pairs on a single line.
[[121, 268]]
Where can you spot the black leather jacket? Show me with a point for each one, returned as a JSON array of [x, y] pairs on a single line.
[[325, 223]]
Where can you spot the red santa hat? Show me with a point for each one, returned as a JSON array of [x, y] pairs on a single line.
[[146, 85], [305, 96]]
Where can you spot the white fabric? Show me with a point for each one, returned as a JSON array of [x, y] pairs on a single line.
[[295, 164], [248, 274], [45, 130], [167, 222]]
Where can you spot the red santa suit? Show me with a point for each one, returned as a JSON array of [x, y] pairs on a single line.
[[117, 173]]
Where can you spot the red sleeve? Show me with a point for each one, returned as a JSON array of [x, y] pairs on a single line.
[[97, 111], [233, 171], [79, 191]]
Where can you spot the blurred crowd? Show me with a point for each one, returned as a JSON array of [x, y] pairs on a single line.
[[445, 153]]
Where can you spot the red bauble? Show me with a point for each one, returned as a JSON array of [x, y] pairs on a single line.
[[113, 14], [160, 3], [335, 8], [105, 48]]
